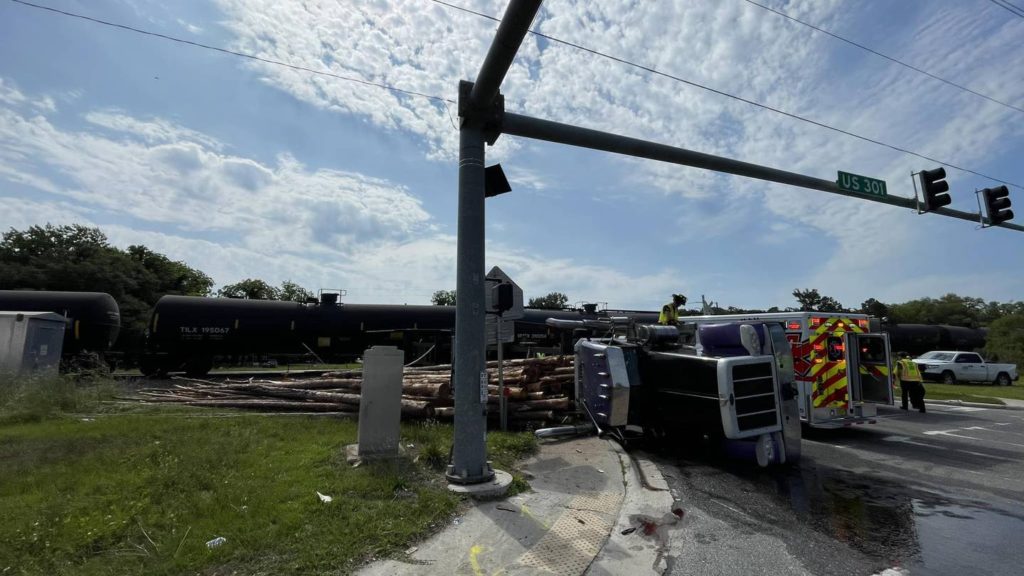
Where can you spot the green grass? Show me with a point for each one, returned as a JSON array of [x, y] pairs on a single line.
[[143, 493], [972, 392]]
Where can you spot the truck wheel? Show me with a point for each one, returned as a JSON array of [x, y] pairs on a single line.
[[1003, 379], [948, 377]]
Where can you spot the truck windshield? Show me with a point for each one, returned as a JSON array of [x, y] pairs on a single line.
[[936, 356]]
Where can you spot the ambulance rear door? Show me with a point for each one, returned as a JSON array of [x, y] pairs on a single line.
[[869, 368]]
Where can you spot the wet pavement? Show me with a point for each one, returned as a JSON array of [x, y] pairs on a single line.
[[937, 493]]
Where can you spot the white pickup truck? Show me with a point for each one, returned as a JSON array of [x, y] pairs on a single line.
[[950, 367]]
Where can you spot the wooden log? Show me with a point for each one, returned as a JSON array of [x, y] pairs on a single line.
[[444, 412], [277, 392], [510, 391], [271, 405], [356, 374], [428, 389], [564, 370], [545, 404]]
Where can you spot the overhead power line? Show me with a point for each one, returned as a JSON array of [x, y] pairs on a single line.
[[444, 101], [1010, 7], [735, 97], [889, 58]]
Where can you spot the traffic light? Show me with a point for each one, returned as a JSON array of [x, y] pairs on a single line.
[[997, 201], [934, 188], [503, 298]]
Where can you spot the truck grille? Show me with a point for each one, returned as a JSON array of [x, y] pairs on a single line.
[[754, 390]]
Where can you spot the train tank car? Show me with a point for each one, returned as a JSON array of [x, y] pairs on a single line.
[[93, 318], [186, 333], [916, 339]]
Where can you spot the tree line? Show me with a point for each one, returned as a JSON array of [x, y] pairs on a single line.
[[80, 258]]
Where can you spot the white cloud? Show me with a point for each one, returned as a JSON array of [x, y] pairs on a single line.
[[11, 96], [151, 131], [730, 46], [190, 27], [234, 217]]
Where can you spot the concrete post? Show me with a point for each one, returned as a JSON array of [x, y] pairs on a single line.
[[380, 402]]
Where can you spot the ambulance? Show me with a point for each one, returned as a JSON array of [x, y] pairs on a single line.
[[842, 368]]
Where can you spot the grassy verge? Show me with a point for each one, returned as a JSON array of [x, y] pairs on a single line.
[[137, 494], [971, 393]]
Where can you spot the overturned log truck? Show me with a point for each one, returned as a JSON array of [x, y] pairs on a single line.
[[729, 382]]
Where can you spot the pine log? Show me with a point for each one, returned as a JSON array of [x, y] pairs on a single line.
[[429, 389], [272, 405], [546, 404]]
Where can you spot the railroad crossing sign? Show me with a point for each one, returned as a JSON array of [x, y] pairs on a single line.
[[506, 320]]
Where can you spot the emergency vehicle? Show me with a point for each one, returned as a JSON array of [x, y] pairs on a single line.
[[842, 368]]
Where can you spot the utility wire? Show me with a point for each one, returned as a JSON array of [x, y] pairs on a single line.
[[1008, 6], [889, 58], [443, 101], [734, 97]]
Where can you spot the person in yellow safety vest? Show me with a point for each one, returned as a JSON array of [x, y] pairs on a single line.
[[909, 377], [670, 312]]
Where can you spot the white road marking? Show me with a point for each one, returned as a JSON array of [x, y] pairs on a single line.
[[955, 435], [908, 440], [995, 431]]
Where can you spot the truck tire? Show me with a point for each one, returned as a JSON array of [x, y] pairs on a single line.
[[1003, 379], [948, 377]]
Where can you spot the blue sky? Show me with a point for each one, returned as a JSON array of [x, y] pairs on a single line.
[[244, 169]]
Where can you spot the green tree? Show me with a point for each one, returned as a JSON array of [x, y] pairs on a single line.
[[250, 288], [1005, 341], [811, 300], [79, 258], [949, 309], [292, 292], [553, 301], [443, 298], [808, 299], [873, 307]]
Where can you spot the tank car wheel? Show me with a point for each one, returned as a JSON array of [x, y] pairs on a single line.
[[198, 367]]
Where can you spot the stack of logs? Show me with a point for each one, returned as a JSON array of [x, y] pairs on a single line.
[[538, 389]]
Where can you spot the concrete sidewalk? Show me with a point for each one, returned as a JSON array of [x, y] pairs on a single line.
[[583, 489]]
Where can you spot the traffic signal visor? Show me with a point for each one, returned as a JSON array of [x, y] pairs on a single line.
[[934, 188], [997, 201]]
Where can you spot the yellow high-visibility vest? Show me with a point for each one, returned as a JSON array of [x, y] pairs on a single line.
[[669, 314], [909, 371]]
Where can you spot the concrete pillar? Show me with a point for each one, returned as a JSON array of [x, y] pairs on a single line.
[[380, 403]]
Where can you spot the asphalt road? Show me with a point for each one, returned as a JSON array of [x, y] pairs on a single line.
[[937, 493]]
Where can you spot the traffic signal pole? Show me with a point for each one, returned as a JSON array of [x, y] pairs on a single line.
[[480, 108], [482, 119], [527, 127]]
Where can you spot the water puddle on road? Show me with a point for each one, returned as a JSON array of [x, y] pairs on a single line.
[[920, 531]]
